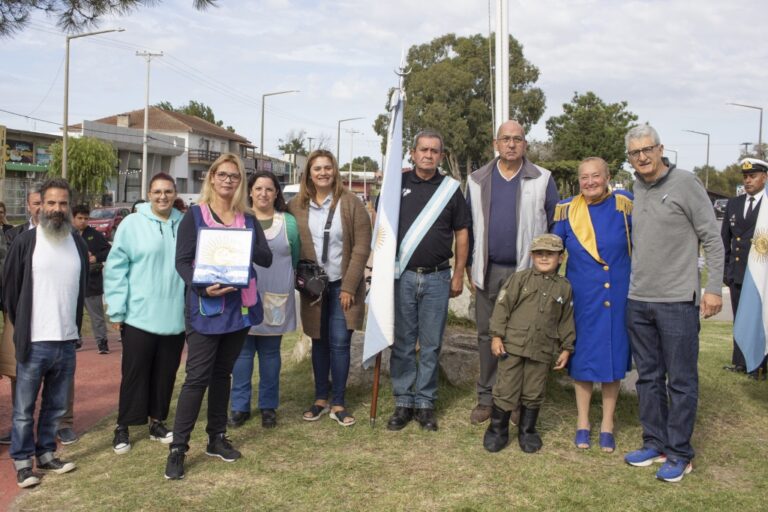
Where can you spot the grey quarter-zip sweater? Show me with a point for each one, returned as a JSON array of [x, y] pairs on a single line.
[[672, 217]]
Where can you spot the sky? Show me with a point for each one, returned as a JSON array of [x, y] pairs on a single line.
[[676, 63]]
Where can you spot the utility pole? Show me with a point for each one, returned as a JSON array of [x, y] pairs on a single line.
[[746, 147], [145, 145], [310, 139]]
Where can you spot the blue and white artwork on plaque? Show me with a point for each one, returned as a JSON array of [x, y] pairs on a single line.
[[223, 256]]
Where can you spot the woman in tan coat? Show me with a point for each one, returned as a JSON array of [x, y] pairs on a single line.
[[330, 321]]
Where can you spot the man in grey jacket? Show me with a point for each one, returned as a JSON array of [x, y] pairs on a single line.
[[511, 201], [673, 216]]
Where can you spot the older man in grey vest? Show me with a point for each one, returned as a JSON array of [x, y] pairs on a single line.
[[511, 201]]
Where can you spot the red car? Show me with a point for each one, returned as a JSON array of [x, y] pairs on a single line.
[[106, 220]]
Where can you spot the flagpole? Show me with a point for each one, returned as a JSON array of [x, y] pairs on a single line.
[[400, 72], [375, 398]]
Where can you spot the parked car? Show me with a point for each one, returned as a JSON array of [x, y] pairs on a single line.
[[720, 207], [106, 220]]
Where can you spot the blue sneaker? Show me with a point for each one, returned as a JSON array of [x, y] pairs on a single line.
[[674, 470], [644, 457]]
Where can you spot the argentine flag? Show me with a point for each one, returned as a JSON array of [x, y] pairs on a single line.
[[380, 323], [751, 323]]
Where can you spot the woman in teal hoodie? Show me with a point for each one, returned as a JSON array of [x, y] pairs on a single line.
[[145, 296]]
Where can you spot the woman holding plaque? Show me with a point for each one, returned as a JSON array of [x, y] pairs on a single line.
[[219, 313], [322, 206], [145, 297], [277, 296]]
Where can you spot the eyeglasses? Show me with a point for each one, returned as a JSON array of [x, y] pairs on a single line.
[[224, 176], [507, 140], [636, 152], [163, 192]]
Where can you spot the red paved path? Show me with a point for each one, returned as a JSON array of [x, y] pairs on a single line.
[[97, 382]]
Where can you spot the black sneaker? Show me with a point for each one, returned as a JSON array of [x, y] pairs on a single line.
[[159, 432], [57, 466], [25, 477], [103, 347], [174, 468], [219, 446], [121, 443], [67, 436]]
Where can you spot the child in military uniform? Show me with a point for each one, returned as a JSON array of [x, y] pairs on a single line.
[[531, 326]]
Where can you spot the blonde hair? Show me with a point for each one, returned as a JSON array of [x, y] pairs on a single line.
[[599, 161], [307, 189], [239, 201]]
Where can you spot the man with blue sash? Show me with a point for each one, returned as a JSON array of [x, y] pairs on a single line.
[[432, 212], [511, 201]]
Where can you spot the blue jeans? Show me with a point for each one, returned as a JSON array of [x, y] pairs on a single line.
[[665, 345], [51, 364], [421, 309], [330, 352], [268, 348]]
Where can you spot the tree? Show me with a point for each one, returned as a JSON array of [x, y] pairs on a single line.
[[360, 163], [90, 163], [293, 143], [194, 108], [723, 182], [448, 89], [590, 127], [73, 15]]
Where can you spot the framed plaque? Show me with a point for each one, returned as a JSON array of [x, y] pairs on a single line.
[[223, 257]]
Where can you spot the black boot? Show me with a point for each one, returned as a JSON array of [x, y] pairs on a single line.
[[497, 434], [529, 439]]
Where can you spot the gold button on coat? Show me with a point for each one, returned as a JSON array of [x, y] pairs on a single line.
[[607, 304], [607, 285], [605, 267]]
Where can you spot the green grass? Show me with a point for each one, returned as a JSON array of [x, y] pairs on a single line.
[[321, 466]]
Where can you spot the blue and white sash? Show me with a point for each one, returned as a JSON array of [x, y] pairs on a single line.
[[424, 222]]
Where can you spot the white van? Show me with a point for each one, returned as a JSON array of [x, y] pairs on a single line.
[[290, 190]]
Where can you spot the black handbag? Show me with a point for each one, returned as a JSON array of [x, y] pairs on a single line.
[[311, 279]]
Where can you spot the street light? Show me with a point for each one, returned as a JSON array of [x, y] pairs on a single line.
[[263, 96], [66, 95], [706, 172], [671, 151], [338, 133], [760, 151], [351, 155]]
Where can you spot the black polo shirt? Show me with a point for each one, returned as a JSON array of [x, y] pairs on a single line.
[[437, 245]]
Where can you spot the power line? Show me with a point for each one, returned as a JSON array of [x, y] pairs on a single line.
[[53, 82]]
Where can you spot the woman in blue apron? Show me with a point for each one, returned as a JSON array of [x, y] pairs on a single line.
[[276, 291]]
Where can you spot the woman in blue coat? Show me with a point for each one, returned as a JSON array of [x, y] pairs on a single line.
[[595, 227]]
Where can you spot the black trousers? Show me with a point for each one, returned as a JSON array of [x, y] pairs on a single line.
[[149, 366], [210, 359]]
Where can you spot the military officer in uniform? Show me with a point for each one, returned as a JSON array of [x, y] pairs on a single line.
[[737, 232]]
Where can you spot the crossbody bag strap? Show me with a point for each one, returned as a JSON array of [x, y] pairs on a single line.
[[327, 233]]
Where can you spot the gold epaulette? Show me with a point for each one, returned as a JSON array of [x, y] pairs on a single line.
[[561, 211], [623, 204]]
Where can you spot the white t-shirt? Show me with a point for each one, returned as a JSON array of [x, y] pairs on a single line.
[[55, 286]]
